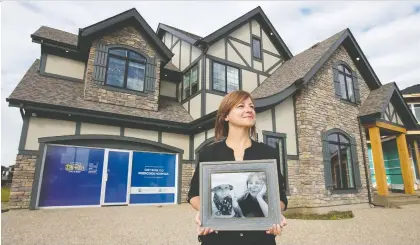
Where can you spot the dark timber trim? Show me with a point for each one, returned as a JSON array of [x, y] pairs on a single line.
[[296, 129], [180, 55], [237, 51], [258, 80], [216, 92], [239, 41], [273, 66], [28, 152], [272, 54], [205, 134], [227, 62], [191, 156], [226, 48], [203, 86], [24, 133], [122, 131], [190, 53], [173, 45], [160, 136], [273, 118], [262, 48], [292, 157], [78, 127], [250, 41]]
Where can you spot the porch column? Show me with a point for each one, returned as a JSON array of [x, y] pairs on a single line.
[[405, 164], [417, 155], [378, 161]]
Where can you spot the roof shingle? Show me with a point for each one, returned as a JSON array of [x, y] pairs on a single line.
[[294, 69], [415, 89], [56, 35], [377, 100], [41, 89]]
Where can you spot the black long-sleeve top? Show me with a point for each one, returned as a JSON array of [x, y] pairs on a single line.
[[219, 151]]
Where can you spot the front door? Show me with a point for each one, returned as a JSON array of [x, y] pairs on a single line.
[[115, 180]]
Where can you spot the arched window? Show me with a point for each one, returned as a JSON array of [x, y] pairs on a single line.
[[340, 161], [346, 84], [125, 69]]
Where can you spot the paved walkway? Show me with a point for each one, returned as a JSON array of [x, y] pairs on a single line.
[[174, 225]]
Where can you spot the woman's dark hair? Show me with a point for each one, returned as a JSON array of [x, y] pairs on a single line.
[[229, 101]]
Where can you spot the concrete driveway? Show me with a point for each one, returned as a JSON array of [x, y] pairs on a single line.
[[174, 225]]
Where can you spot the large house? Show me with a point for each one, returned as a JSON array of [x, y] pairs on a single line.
[[115, 114]]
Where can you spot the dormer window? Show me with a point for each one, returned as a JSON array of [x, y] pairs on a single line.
[[126, 69]]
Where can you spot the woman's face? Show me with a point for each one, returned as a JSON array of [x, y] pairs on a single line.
[[243, 114], [255, 185]]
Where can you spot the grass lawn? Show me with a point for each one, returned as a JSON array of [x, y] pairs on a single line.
[[5, 193], [334, 215]]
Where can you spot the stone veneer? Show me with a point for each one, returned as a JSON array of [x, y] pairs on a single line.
[[318, 110], [188, 168], [95, 92], [23, 177]]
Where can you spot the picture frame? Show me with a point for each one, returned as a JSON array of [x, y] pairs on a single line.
[[230, 191]]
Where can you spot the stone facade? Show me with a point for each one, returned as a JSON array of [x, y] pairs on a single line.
[[188, 168], [95, 92], [318, 110], [23, 177]]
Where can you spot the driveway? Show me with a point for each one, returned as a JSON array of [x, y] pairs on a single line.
[[174, 225]]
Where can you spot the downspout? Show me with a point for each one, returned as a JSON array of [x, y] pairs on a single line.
[[364, 163]]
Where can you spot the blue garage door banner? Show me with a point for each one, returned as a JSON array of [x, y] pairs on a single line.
[[153, 178], [116, 184], [71, 176]]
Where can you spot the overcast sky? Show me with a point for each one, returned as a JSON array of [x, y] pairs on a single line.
[[388, 33]]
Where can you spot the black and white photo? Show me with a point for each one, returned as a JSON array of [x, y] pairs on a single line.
[[239, 195]]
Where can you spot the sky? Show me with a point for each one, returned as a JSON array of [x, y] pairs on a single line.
[[388, 33]]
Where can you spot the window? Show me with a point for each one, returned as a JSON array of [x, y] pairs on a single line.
[[225, 78], [190, 82], [341, 161], [126, 69], [256, 48], [346, 83], [278, 141], [416, 111]]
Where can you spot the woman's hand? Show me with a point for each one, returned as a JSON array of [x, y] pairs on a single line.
[[200, 230], [262, 191], [276, 229]]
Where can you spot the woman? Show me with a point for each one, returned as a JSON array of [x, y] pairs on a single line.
[[235, 120], [254, 201]]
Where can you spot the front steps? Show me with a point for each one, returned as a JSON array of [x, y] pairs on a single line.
[[395, 200]]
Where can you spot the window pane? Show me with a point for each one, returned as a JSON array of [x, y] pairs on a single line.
[[346, 168], [232, 79], [335, 170], [186, 85], [116, 71], [340, 68], [342, 80], [332, 137], [272, 142], [347, 71], [343, 139], [135, 56], [135, 76], [219, 79], [120, 52], [256, 48], [350, 88], [417, 111], [194, 77]]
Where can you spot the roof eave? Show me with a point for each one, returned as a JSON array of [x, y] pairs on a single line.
[[176, 33]]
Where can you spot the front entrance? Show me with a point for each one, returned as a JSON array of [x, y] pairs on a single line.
[[115, 179]]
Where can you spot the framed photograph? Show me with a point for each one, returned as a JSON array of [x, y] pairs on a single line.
[[239, 195]]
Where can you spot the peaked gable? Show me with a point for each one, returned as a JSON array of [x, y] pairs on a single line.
[[258, 15], [87, 34]]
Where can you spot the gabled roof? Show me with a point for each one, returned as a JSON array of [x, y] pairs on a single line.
[[129, 16], [55, 35], [302, 67], [378, 100], [184, 35], [265, 23], [415, 89], [42, 90]]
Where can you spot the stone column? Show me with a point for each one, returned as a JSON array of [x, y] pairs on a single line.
[[23, 177]]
